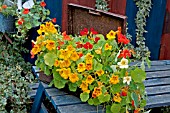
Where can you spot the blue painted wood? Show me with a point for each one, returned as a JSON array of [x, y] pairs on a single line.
[[33, 85], [80, 108], [38, 99], [155, 90], [55, 7], [154, 25], [158, 68], [64, 100], [157, 82], [43, 109], [32, 93], [54, 92], [158, 74], [158, 100]]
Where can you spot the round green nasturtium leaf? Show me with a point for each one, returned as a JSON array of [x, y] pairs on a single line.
[[115, 108], [72, 87], [108, 109], [49, 59], [138, 75], [59, 84], [84, 97], [90, 101]]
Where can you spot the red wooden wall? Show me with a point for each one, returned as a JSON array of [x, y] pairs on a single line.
[[165, 40], [116, 6]]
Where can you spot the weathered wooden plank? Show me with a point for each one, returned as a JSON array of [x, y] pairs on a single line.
[[33, 85], [32, 93], [155, 90], [158, 100], [80, 108], [43, 109], [158, 74], [158, 68], [157, 82], [64, 100], [38, 99], [54, 92]]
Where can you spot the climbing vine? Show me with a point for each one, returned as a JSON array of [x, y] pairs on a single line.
[[144, 7]]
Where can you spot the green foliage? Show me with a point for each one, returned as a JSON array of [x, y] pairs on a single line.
[[14, 89], [102, 5], [144, 7]]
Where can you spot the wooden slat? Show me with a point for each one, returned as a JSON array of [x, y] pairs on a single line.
[[65, 100], [43, 109], [80, 108], [155, 90], [157, 81], [54, 92], [158, 68], [158, 74], [32, 93], [158, 100], [33, 85]]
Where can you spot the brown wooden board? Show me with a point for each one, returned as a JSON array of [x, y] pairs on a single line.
[[80, 17]]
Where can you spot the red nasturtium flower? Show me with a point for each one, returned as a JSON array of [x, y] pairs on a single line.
[[79, 45], [20, 21], [84, 32], [133, 103], [123, 39], [123, 93], [93, 31], [125, 53], [42, 4], [26, 11], [96, 39], [4, 6], [54, 20], [88, 45]]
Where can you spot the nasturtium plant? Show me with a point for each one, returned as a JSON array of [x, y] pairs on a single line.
[[97, 65]]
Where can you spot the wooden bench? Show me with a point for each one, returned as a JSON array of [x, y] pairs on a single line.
[[157, 87]]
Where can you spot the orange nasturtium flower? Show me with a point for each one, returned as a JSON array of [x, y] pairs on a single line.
[[81, 67], [97, 92], [111, 35], [117, 98], [100, 72], [56, 63], [74, 56], [73, 77], [70, 48], [107, 47], [114, 79], [89, 66], [62, 64], [4, 6], [50, 45], [35, 49], [89, 79]]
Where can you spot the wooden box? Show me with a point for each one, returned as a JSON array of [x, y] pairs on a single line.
[[80, 17]]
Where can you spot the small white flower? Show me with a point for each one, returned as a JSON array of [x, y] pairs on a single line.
[[123, 63], [127, 79]]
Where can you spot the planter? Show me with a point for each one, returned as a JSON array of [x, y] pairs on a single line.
[[44, 78], [7, 23]]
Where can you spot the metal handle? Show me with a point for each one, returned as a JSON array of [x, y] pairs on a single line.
[[94, 12]]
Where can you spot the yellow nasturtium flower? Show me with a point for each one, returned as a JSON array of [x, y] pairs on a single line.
[[81, 67], [111, 35], [66, 73], [107, 47], [70, 48], [74, 56], [84, 86], [73, 77], [114, 79], [100, 72], [42, 29], [64, 54], [89, 56], [35, 49], [117, 98], [89, 79], [99, 50], [50, 45]]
